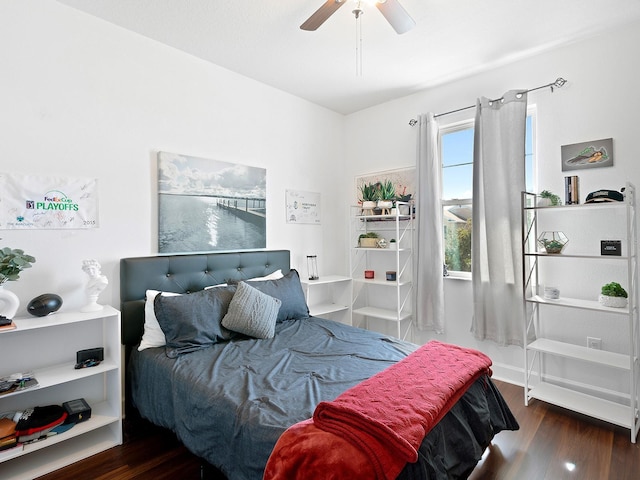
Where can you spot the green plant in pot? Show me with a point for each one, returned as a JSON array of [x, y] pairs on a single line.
[[387, 194], [613, 295], [369, 193], [12, 262], [552, 242], [368, 240], [548, 199]]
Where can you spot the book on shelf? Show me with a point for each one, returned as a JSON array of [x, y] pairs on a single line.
[[10, 452], [571, 191], [9, 326]]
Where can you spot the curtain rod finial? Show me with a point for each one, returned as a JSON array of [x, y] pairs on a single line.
[[559, 83], [413, 122]]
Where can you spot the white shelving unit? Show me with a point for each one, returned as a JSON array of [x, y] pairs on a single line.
[[566, 393], [329, 297], [47, 347], [379, 298]]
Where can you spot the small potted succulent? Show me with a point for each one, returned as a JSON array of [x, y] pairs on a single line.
[[370, 195], [552, 242], [368, 240], [387, 195], [548, 199], [393, 244], [613, 295]]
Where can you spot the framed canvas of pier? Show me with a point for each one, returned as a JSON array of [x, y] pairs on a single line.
[[206, 205]]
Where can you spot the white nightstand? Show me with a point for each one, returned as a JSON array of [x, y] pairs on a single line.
[[330, 297]]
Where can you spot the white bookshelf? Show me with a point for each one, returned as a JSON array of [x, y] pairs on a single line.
[[47, 347], [563, 390]]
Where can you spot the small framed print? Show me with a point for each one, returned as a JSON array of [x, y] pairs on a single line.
[[594, 154]]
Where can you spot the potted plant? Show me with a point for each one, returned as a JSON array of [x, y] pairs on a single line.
[[369, 192], [613, 295], [387, 195], [393, 244], [547, 199], [404, 207], [12, 262], [552, 242], [368, 240]]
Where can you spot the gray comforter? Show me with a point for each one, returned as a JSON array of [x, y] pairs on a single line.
[[230, 402]]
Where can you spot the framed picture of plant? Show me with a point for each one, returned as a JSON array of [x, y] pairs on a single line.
[[593, 154]]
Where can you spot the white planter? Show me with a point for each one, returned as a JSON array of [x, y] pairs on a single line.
[[615, 302], [9, 302], [369, 205]]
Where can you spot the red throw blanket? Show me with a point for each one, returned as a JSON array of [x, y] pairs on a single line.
[[385, 417]]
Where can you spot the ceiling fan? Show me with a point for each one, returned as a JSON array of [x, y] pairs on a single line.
[[395, 14]]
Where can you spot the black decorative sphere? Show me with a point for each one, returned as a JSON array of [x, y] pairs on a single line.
[[44, 304]]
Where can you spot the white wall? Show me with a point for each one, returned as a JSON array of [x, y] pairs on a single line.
[[81, 97], [601, 100]]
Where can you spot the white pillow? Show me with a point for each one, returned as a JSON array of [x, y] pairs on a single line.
[[153, 335], [272, 276]]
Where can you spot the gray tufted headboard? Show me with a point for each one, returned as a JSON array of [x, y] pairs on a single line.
[[183, 274]]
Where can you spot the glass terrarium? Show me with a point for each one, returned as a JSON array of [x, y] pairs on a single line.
[[552, 242]]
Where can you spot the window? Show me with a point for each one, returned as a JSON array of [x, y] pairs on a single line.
[[456, 143]]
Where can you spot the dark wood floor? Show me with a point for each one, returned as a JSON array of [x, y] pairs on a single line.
[[552, 444]]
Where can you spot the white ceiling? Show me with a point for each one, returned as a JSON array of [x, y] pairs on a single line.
[[452, 39]]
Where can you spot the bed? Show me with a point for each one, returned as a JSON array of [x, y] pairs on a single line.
[[243, 398]]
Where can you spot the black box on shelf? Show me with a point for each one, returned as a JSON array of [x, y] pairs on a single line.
[[611, 247], [77, 410]]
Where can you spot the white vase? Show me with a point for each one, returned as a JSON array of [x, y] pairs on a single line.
[[9, 302]]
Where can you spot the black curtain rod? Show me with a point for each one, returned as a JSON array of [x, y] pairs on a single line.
[[557, 84]]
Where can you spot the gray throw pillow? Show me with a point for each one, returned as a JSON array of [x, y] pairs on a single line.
[[191, 322], [289, 291], [252, 312]]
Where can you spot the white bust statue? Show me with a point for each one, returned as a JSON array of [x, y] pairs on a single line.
[[95, 285]]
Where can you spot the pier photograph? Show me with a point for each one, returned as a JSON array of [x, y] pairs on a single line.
[[228, 199]]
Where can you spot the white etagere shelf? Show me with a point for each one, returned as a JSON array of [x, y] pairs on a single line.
[[563, 391], [379, 298], [578, 303], [47, 346]]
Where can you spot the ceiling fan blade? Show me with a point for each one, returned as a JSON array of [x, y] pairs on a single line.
[[321, 15], [396, 15]]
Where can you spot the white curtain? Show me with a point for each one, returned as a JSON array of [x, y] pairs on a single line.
[[428, 251], [498, 180]]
